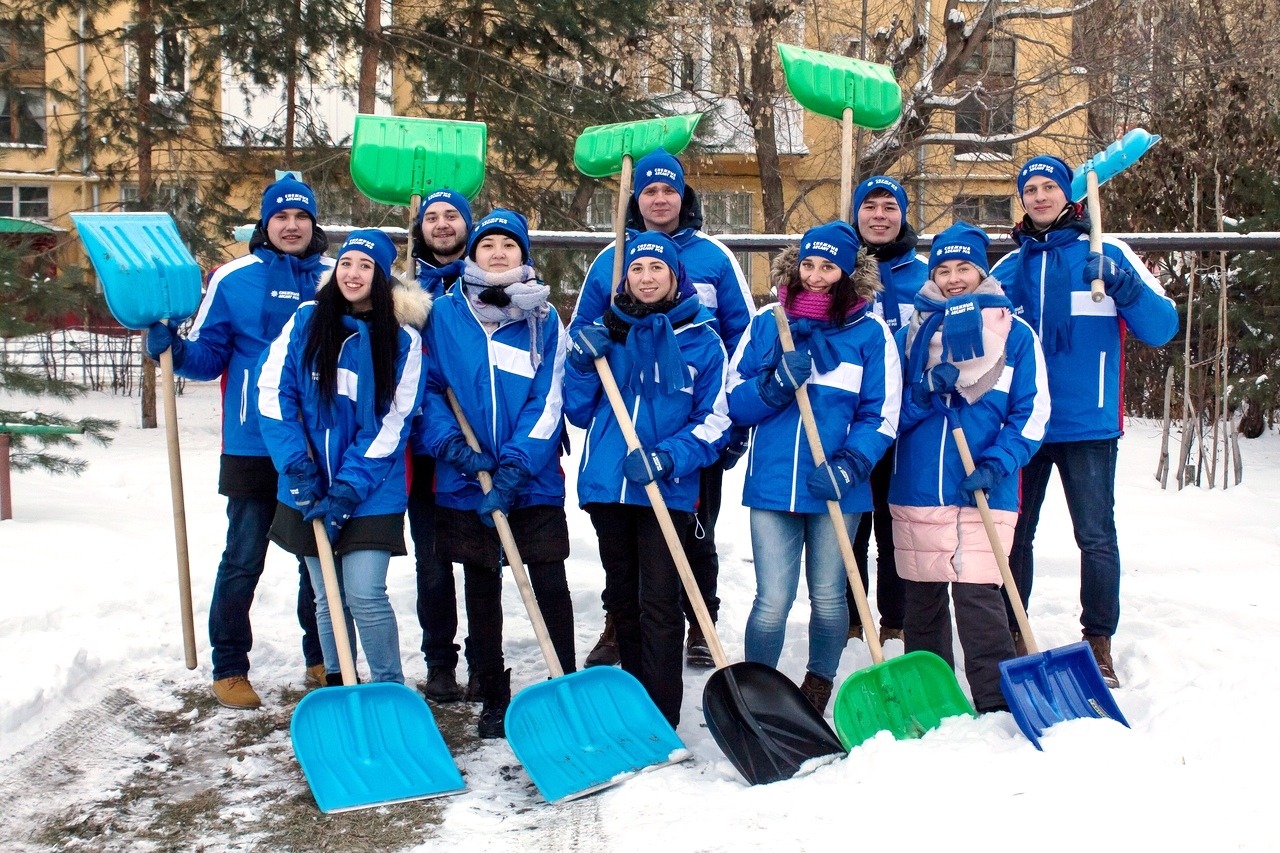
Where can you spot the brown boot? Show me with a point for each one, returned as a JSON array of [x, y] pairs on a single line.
[[314, 676], [855, 632], [235, 691], [817, 690], [697, 653], [606, 651], [1101, 647]]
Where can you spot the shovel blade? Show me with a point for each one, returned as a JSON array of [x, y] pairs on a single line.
[[1060, 684], [369, 745], [906, 696], [394, 158], [588, 730], [147, 273], [763, 723], [599, 150], [828, 83]]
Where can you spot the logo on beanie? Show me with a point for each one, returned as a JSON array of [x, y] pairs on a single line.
[[882, 183], [823, 246], [298, 198], [654, 248], [956, 249], [1039, 167], [360, 242], [660, 173]]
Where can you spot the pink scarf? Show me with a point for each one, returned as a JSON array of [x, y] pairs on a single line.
[[812, 306]]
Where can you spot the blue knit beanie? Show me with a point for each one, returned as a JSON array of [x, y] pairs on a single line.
[[1046, 166], [836, 242], [658, 167], [456, 199], [502, 221], [285, 194], [960, 242], [374, 243], [883, 183]]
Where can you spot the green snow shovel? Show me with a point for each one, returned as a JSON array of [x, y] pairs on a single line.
[[1041, 688], [398, 160], [852, 91], [365, 745], [582, 732], [906, 696], [148, 276], [611, 149]]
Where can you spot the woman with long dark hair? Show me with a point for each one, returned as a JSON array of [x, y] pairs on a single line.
[[337, 392]]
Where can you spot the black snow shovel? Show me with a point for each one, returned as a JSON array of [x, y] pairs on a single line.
[[1042, 688]]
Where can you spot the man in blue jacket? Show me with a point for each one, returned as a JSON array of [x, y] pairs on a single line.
[[246, 304], [661, 201], [1048, 279]]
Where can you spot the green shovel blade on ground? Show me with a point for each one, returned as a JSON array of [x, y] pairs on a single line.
[[828, 84], [906, 696], [395, 158]]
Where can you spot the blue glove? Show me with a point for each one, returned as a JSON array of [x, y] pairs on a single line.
[[939, 379], [335, 509], [470, 462], [1122, 284], [506, 485], [587, 344], [778, 387], [739, 439], [986, 476], [303, 483], [644, 466], [160, 337], [833, 479]]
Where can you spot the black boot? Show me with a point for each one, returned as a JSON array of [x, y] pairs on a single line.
[[496, 693], [697, 651], [442, 684], [605, 652]]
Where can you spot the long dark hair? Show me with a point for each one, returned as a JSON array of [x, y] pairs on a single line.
[[326, 334], [844, 295]]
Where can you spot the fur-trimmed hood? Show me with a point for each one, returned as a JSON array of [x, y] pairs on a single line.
[[866, 273], [412, 303]]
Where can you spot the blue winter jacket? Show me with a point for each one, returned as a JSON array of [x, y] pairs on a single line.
[[513, 407], [710, 266], [353, 443], [1084, 378], [692, 424], [247, 303], [855, 405], [435, 287], [906, 273]]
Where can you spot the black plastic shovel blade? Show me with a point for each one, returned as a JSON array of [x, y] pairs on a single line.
[[763, 723], [1060, 684]]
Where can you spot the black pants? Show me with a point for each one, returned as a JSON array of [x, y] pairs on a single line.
[[483, 595], [889, 589], [700, 543], [642, 589], [980, 623], [437, 595]]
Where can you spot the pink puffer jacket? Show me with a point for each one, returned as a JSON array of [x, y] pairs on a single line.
[[948, 543]]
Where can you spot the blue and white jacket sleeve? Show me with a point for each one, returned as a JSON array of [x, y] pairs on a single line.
[[1153, 319], [698, 443], [734, 305], [535, 441], [210, 342], [280, 397], [758, 351], [593, 299], [911, 412], [1029, 406], [582, 393], [875, 424]]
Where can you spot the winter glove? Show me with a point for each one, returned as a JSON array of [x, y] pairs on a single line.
[[986, 476], [506, 485], [939, 379], [1122, 284], [778, 387], [163, 336], [457, 453], [335, 509], [304, 485], [833, 479], [644, 466], [739, 439], [586, 345]]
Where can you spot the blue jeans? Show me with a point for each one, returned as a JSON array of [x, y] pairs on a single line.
[[1088, 473], [362, 581], [230, 634], [776, 541]]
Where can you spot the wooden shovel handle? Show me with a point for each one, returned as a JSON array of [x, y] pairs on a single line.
[[674, 545], [846, 165], [509, 545], [1002, 559], [620, 226], [179, 507], [1096, 290], [332, 592], [833, 508]]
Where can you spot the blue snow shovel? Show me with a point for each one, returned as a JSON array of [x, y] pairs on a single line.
[[363, 745], [583, 732], [1041, 688], [148, 276]]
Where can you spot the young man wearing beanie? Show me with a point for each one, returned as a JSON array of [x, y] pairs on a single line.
[[440, 238], [880, 213], [661, 201], [246, 304], [1048, 279]]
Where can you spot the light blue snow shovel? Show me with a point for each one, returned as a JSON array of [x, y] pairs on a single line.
[[579, 733], [148, 276]]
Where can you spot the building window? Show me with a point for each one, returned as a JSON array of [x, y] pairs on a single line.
[[988, 109], [24, 202], [728, 212], [22, 97], [173, 198], [986, 211], [994, 57]]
